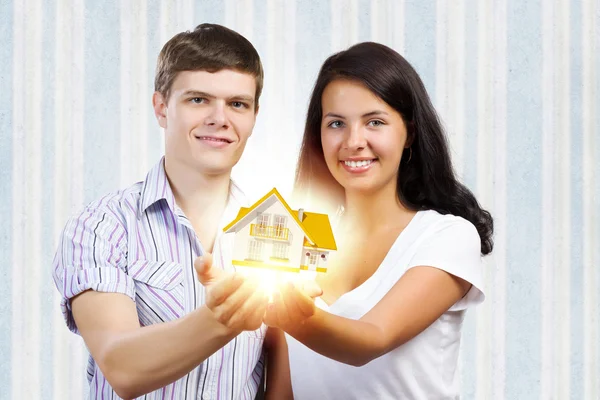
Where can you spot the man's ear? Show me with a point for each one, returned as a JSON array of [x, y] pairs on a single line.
[[159, 104]]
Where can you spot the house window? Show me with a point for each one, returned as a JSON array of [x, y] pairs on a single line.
[[279, 226], [262, 224], [280, 250], [255, 250], [312, 259]]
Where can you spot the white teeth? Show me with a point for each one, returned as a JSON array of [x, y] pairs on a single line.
[[212, 139], [356, 164]]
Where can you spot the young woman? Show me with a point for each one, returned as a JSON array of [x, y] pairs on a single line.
[[410, 240]]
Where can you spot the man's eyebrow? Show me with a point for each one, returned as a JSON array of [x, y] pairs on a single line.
[[243, 97], [197, 93]]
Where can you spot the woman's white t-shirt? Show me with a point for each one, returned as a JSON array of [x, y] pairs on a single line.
[[425, 367]]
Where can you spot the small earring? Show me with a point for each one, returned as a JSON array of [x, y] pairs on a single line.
[[409, 154]]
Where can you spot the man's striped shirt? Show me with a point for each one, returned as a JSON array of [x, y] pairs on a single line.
[[139, 243]]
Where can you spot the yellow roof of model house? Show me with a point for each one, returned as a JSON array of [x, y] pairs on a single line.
[[316, 227]]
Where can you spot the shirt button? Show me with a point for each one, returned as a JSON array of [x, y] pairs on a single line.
[[206, 396], [166, 281]]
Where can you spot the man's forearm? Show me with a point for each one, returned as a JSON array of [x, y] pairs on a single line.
[[140, 361]]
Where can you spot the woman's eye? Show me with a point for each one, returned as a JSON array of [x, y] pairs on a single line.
[[375, 123], [335, 124]]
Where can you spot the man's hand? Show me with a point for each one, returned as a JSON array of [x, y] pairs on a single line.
[[234, 300], [292, 306], [207, 275]]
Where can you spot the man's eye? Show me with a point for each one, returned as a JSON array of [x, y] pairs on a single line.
[[239, 104], [197, 100]]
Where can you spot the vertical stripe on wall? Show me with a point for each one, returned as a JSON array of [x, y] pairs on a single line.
[[48, 229], [590, 103], [6, 203], [468, 352], [575, 304], [102, 112], [155, 134], [524, 223], [562, 157], [449, 97], [547, 266], [19, 308], [419, 41], [500, 121], [68, 349], [484, 187]]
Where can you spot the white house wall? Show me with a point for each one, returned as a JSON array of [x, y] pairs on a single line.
[[296, 235]]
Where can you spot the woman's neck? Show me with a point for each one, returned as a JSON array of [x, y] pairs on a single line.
[[372, 211]]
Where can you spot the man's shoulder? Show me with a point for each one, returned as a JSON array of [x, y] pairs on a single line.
[[119, 202]]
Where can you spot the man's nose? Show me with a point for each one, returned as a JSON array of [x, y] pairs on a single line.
[[217, 117]]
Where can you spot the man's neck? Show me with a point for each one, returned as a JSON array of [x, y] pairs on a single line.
[[201, 197]]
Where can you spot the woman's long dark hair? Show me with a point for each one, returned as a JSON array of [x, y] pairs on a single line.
[[427, 181]]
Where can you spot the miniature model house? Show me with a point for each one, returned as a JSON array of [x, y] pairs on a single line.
[[270, 235]]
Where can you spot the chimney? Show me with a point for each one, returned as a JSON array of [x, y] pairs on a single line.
[[300, 214]]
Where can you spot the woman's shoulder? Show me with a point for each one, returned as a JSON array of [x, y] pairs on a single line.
[[433, 222]]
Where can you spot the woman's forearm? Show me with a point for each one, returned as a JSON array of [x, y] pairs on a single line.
[[341, 339]]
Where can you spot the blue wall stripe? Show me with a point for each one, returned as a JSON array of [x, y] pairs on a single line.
[[48, 230], [212, 11], [420, 40], [6, 108], [364, 21], [155, 139], [596, 168], [313, 25], [576, 267], [524, 222], [102, 98], [468, 344]]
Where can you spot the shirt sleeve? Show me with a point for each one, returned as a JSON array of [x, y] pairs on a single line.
[[91, 254], [455, 247]]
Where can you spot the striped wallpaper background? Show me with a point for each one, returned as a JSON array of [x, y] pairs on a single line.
[[517, 84]]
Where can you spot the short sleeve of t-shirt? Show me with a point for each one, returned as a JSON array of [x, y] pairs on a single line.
[[454, 245], [91, 254]]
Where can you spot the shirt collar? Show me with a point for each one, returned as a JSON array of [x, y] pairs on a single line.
[[156, 187]]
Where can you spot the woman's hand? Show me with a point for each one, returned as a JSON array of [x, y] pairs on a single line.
[[292, 305]]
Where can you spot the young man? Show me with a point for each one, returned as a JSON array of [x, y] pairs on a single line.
[[125, 264]]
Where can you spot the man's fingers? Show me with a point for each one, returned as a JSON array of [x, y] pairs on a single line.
[[250, 313], [235, 301], [205, 271], [223, 289]]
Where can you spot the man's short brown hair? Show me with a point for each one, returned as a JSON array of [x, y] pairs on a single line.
[[209, 47]]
